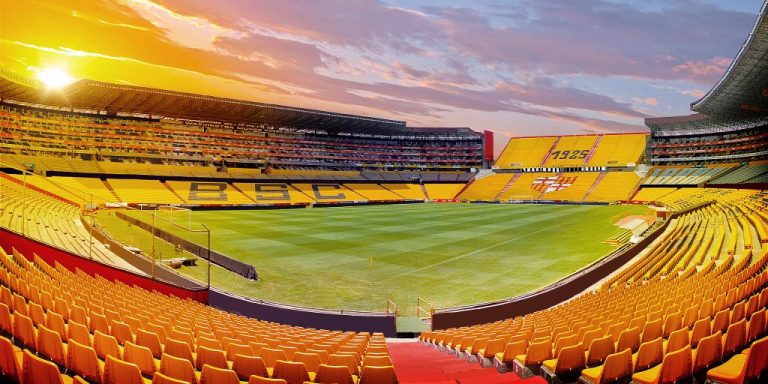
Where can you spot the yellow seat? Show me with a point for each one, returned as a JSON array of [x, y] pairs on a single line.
[[675, 367], [741, 368], [616, 367]]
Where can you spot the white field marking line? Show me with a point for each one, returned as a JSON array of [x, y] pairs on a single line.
[[470, 253]]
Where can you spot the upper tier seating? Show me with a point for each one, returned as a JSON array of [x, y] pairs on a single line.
[[701, 284], [614, 150], [129, 144], [109, 328], [676, 147]]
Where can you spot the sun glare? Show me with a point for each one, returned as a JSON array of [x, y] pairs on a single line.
[[55, 78]]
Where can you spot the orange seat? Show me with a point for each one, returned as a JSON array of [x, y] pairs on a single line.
[[272, 355], [121, 331], [24, 331], [141, 356], [348, 361], [36, 313], [9, 360], [121, 372], [648, 355], [701, 329], [330, 374], [247, 366], [177, 368], [179, 349], [310, 360], [82, 360], [652, 330], [149, 340], [238, 349], [6, 324], [378, 361], [106, 345], [39, 371], [213, 375], [49, 345], [378, 375], [757, 325], [571, 359], [743, 368], [617, 367], [675, 367], [629, 338], [735, 338], [678, 339], [599, 350], [78, 332], [265, 380], [159, 378], [708, 352], [213, 357], [293, 372]]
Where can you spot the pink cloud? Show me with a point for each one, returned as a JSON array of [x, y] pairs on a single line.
[[705, 71]]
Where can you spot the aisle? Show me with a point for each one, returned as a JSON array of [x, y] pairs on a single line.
[[415, 363]]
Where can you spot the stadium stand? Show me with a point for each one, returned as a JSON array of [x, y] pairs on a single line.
[[754, 172], [522, 187], [652, 194], [131, 332], [684, 175], [442, 191], [328, 192], [406, 191], [645, 335], [50, 220], [486, 188], [202, 192], [525, 152], [609, 150], [374, 192], [87, 187], [615, 186], [144, 191]]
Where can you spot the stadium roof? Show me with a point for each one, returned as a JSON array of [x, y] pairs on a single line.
[[101, 97], [739, 100], [743, 89]]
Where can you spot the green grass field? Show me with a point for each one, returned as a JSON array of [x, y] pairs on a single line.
[[355, 258]]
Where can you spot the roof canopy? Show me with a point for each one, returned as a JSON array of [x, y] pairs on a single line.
[[743, 89], [101, 97]]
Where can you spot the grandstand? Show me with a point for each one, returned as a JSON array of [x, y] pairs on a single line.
[[681, 296]]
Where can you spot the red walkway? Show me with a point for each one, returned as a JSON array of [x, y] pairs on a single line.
[[415, 363]]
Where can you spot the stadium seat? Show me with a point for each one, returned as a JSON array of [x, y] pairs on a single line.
[[24, 331], [82, 360], [178, 368], [141, 356], [50, 346], [247, 366], [290, 371], [10, 357], [265, 380], [378, 375], [40, 371], [213, 375], [178, 349], [735, 338], [675, 367], [570, 360], [708, 352], [649, 354], [617, 366], [742, 368], [117, 371], [106, 345], [159, 378], [334, 374], [149, 340]]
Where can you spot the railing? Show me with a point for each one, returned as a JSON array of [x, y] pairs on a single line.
[[424, 310], [392, 308]]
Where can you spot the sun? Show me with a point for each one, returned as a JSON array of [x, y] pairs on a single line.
[[55, 77]]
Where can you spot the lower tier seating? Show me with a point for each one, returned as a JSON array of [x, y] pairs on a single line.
[[56, 324]]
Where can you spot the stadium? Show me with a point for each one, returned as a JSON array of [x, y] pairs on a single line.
[[152, 235]]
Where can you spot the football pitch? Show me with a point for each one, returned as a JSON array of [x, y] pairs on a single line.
[[356, 258]]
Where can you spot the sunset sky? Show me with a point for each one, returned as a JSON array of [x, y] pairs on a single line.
[[516, 67]]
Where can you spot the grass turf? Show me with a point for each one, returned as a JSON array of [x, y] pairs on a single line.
[[355, 258]]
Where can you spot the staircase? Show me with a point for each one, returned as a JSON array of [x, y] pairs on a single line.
[[509, 184], [592, 151], [426, 195], [552, 148], [600, 178], [112, 191]]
